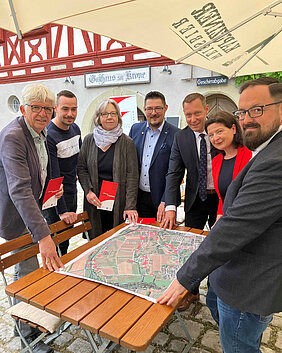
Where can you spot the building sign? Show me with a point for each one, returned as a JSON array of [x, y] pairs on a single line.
[[118, 77], [128, 111], [214, 80]]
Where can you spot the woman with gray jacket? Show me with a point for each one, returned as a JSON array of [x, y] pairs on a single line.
[[108, 154]]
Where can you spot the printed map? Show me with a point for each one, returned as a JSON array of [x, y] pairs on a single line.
[[139, 259]]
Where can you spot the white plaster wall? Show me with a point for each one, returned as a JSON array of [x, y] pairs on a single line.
[[175, 87]]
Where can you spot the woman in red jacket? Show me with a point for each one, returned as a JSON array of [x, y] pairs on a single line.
[[225, 135]]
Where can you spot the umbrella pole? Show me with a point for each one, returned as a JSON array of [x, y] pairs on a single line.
[[15, 19], [255, 53]]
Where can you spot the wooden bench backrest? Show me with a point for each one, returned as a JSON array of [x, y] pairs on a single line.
[[26, 239]]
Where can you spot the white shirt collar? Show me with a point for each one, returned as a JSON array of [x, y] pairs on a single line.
[[159, 128]]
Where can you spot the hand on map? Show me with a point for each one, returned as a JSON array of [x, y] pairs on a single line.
[[173, 291], [132, 216], [169, 220], [161, 212], [50, 258], [93, 199]]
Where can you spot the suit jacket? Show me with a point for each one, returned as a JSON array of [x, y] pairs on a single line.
[[20, 180], [242, 158], [125, 173], [242, 252], [160, 159], [184, 155]]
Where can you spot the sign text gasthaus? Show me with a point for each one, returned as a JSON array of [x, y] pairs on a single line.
[[118, 77]]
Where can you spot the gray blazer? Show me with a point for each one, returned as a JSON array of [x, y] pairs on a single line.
[[20, 183], [125, 173], [242, 253]]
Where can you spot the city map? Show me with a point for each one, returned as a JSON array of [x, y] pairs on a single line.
[[139, 259]]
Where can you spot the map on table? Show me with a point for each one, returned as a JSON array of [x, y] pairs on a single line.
[[139, 259]]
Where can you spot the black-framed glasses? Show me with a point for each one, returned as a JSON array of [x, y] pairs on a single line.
[[253, 112], [112, 114], [38, 108], [157, 109]]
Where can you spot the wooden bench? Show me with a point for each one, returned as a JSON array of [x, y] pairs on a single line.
[[24, 312]]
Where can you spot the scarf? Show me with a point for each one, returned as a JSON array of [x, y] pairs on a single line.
[[104, 138]]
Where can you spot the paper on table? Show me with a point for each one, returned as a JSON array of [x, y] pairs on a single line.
[[53, 187], [107, 195]]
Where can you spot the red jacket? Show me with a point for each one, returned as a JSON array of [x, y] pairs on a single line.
[[242, 158]]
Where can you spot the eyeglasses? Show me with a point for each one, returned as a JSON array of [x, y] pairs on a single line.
[[38, 108], [253, 112], [157, 110], [112, 114]]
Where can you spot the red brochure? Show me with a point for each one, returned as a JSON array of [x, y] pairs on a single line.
[[146, 220], [52, 188], [107, 195]]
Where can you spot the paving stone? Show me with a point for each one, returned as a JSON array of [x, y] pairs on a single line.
[[81, 346], [121, 350], [277, 321], [198, 350], [188, 311], [211, 340], [266, 350], [266, 335], [73, 329], [194, 329], [62, 339], [14, 345], [205, 315], [6, 333], [176, 345], [8, 319], [150, 349], [161, 339], [279, 340], [5, 351]]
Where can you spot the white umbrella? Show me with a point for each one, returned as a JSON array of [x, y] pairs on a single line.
[[232, 37]]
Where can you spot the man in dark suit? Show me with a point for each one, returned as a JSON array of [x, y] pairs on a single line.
[[153, 140], [191, 150], [242, 253]]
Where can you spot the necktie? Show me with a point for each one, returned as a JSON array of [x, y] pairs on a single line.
[[203, 169]]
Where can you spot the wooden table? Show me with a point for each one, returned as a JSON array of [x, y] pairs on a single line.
[[115, 315]]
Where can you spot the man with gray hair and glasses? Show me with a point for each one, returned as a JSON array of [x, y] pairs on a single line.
[[24, 174]]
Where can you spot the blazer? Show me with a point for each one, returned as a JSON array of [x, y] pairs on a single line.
[[242, 252], [160, 159], [242, 158], [20, 180], [125, 173], [184, 155]]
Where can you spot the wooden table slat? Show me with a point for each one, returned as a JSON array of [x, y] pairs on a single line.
[[147, 327], [55, 291], [125, 319], [105, 311], [68, 299], [84, 306], [39, 286], [26, 281]]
